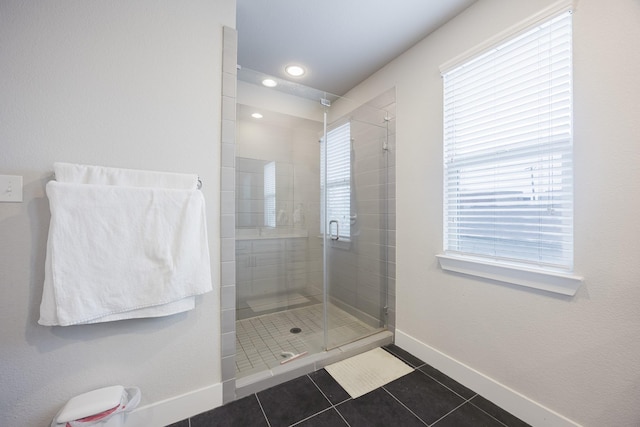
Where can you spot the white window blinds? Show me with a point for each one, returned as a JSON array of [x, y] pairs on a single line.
[[338, 182], [508, 187], [270, 194]]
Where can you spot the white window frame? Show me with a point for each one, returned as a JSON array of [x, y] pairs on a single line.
[[546, 277]]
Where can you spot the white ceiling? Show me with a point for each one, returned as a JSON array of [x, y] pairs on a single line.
[[340, 42]]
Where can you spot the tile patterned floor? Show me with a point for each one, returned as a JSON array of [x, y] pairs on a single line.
[[425, 397], [262, 342]]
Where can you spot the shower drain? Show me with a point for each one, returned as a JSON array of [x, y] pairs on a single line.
[[295, 330]]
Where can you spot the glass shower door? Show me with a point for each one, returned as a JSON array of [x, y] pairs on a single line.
[[357, 199], [310, 275]]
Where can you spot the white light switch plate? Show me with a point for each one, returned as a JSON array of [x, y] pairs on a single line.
[[10, 188]]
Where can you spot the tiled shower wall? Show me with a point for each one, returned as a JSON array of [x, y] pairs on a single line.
[[227, 215]]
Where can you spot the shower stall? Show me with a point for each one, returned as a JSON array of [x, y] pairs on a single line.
[[315, 222]]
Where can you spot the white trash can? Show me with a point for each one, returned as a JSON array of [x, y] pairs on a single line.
[[102, 407]]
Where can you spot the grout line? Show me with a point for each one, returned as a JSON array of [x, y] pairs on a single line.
[[264, 414], [429, 376], [319, 389], [470, 401], [311, 416], [397, 356], [448, 413], [448, 388], [338, 411], [405, 406], [331, 403], [343, 418]]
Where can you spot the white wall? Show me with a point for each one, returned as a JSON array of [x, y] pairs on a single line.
[[579, 356], [118, 83]]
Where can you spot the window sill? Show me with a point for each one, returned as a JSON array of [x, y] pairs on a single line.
[[557, 282]]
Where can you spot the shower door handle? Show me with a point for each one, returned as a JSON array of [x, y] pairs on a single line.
[[337, 235]]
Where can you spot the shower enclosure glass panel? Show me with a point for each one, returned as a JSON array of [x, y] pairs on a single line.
[[307, 281], [356, 187]]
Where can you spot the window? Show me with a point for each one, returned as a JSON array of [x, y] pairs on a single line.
[[270, 194], [338, 180], [508, 180]]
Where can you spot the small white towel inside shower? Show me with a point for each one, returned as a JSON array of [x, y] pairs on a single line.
[[119, 252]]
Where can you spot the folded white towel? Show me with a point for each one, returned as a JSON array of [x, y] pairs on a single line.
[[101, 175], [123, 252]]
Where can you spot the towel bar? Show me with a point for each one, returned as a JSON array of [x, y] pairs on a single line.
[[199, 185]]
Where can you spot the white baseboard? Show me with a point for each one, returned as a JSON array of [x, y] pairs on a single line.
[[510, 400], [169, 411]]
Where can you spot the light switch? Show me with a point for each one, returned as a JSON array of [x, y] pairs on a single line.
[[10, 188]]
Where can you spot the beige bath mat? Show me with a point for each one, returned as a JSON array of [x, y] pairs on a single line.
[[365, 372]]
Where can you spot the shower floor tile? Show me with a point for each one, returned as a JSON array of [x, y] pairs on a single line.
[[263, 342]]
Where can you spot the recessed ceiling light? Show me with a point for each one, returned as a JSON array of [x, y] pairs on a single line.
[[269, 83], [256, 115], [294, 70]]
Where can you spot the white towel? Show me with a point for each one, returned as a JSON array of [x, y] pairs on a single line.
[[123, 252], [101, 175]]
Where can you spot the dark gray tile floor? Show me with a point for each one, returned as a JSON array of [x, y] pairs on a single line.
[[425, 397]]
